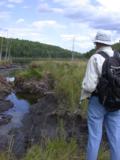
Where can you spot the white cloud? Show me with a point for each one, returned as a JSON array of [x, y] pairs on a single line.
[[75, 3], [20, 20], [2, 3], [61, 20], [15, 1], [47, 23], [99, 14], [28, 33], [44, 7], [22, 32], [26, 7], [110, 5], [79, 39], [67, 37], [81, 43], [10, 5], [44, 23], [4, 15]]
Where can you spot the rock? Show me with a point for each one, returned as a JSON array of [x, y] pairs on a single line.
[[19, 146], [5, 119], [5, 105], [4, 141], [5, 87]]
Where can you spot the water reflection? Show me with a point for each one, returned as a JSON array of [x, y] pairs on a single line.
[[21, 106]]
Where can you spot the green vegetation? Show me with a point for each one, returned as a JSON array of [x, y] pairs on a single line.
[[104, 155], [67, 76], [116, 46], [25, 48], [57, 149], [5, 62], [88, 54]]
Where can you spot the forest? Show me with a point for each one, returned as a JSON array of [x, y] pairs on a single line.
[[25, 48]]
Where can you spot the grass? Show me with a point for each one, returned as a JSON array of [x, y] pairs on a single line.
[[57, 149], [5, 62], [104, 152], [6, 156], [30, 73], [67, 76]]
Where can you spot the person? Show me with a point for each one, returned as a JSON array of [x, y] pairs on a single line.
[[97, 115]]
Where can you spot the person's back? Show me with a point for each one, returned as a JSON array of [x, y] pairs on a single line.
[[97, 114]]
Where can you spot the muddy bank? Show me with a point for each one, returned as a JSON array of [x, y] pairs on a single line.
[[46, 118], [45, 121], [34, 86], [12, 120], [7, 69], [5, 89]]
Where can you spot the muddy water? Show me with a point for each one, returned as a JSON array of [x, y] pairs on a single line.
[[20, 108]]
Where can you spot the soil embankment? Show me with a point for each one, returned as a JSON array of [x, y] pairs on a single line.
[[5, 89], [46, 118]]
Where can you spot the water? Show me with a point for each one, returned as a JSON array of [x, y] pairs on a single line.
[[20, 108], [10, 79]]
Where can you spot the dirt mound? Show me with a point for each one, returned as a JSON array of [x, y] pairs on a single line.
[[5, 87], [34, 86], [46, 118], [45, 121], [5, 105]]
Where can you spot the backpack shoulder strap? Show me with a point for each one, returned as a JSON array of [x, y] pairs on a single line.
[[102, 53]]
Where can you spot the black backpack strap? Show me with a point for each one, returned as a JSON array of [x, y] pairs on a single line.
[[105, 55]]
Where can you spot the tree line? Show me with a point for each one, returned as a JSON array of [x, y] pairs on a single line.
[[26, 48], [115, 47]]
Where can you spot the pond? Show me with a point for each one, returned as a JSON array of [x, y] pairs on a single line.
[[19, 109]]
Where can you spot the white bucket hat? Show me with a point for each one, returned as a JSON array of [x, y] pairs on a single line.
[[103, 38]]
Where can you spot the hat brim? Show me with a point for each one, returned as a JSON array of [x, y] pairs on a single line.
[[103, 42]]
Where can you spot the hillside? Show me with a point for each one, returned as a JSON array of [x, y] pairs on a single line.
[[25, 48]]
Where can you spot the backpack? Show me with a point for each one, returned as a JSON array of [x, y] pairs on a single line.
[[108, 88]]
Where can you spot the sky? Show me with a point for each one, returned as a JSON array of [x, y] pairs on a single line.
[[60, 22]]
